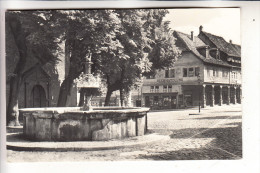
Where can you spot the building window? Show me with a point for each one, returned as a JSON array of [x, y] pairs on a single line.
[[224, 73], [197, 71], [169, 88], [166, 73], [172, 73], [214, 72], [165, 88], [191, 72], [234, 75], [208, 72], [150, 77], [185, 72], [156, 89], [217, 73], [152, 89]]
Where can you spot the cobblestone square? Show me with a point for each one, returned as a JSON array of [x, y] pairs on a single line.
[[214, 134]]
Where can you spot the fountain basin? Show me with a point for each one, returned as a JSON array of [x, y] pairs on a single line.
[[73, 124]]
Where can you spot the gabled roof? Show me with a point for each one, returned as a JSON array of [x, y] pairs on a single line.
[[196, 43], [33, 70], [229, 48]]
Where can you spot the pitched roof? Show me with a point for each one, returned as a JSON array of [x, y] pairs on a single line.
[[33, 70], [229, 48], [193, 45]]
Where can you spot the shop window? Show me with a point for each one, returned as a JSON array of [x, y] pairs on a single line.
[[155, 100], [180, 99], [166, 73], [147, 101], [169, 88], [187, 100], [152, 89], [191, 72], [151, 101], [165, 88], [197, 71], [185, 72], [156, 89], [166, 101], [172, 73]]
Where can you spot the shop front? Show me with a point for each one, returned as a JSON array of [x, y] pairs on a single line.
[[157, 101]]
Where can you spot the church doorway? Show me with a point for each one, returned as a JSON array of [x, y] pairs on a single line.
[[38, 97]]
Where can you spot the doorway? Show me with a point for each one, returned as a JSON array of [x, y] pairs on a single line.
[[38, 97]]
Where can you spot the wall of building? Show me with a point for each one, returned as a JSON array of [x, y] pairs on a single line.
[[216, 74], [187, 60], [222, 75], [181, 87], [235, 76]]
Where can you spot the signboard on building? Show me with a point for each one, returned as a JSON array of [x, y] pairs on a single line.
[[169, 81], [164, 81]]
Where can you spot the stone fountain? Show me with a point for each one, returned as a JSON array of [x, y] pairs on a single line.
[[87, 84], [84, 123]]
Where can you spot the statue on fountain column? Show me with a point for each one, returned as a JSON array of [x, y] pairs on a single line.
[[88, 62], [87, 83]]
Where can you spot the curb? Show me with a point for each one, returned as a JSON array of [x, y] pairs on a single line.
[[72, 146]]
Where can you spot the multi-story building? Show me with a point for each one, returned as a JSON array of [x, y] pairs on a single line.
[[208, 72]]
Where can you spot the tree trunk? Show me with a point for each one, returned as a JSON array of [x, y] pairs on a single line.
[[81, 99], [128, 100], [20, 41], [121, 97], [12, 109], [75, 69], [108, 96], [66, 85], [65, 90]]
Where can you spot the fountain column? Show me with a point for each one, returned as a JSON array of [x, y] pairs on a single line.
[[87, 83]]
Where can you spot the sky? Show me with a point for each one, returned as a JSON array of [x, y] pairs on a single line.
[[224, 22]]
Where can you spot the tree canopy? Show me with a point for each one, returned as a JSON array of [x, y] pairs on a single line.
[[125, 44]]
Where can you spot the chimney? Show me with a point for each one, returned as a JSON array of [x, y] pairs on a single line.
[[230, 41], [201, 28], [191, 35], [207, 52], [217, 54]]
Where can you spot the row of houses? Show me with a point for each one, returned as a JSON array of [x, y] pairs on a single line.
[[208, 73]]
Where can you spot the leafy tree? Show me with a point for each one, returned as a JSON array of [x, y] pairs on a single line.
[[28, 32], [147, 45], [86, 31]]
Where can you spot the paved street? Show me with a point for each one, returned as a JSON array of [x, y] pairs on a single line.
[[214, 134]]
